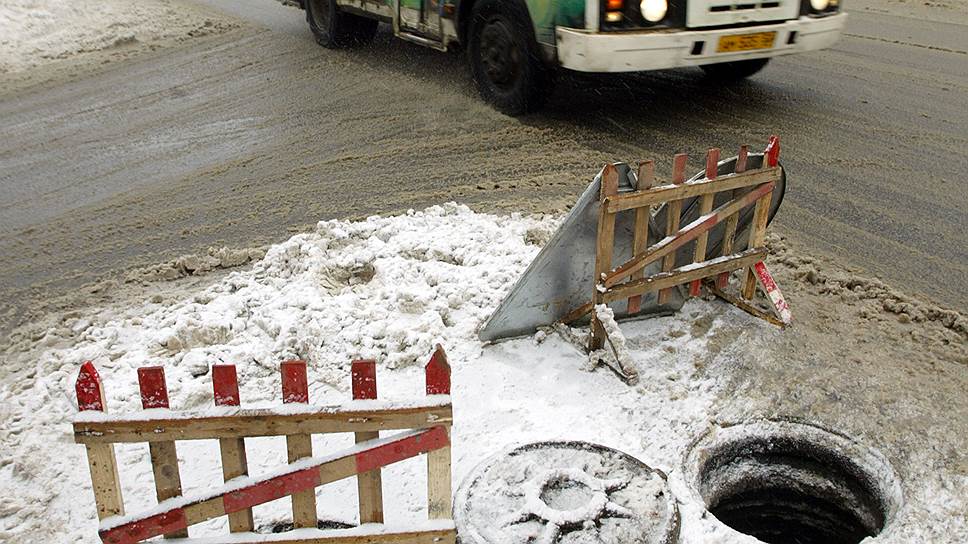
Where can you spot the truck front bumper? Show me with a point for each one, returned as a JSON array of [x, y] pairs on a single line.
[[658, 49]]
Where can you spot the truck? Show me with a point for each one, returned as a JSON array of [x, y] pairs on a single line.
[[516, 47]]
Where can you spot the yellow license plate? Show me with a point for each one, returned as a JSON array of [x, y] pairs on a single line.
[[746, 42]]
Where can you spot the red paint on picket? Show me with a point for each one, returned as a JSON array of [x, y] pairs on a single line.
[[295, 384], [225, 384], [438, 373], [154, 391], [364, 379], [90, 396]]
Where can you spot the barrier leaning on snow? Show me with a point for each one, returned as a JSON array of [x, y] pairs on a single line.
[[428, 431]]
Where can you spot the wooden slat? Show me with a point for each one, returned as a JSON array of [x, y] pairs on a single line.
[[673, 211], [684, 274], [369, 485], [290, 481], [438, 483], [577, 313], [780, 306], [225, 384], [295, 389], [101, 461], [334, 536], [254, 422], [681, 190], [705, 206], [729, 232], [437, 374], [604, 246], [640, 230], [668, 245], [164, 455], [743, 305]]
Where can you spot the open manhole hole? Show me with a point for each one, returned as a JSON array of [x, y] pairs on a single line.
[[568, 493], [789, 482]]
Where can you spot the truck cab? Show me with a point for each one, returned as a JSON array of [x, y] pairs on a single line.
[[515, 46]]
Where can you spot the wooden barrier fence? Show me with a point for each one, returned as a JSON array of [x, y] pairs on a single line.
[[427, 422], [748, 187]]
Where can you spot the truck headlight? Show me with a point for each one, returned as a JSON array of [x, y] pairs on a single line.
[[818, 5], [655, 10]]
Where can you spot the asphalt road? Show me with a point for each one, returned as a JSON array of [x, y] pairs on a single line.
[[242, 138]]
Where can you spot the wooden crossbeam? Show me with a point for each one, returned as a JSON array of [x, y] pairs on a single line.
[[431, 533], [254, 422], [685, 274], [302, 476], [671, 192], [668, 245]]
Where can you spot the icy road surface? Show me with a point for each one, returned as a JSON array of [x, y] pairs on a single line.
[[233, 139]]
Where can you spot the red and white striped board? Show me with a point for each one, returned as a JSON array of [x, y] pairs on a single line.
[[302, 476], [780, 305]]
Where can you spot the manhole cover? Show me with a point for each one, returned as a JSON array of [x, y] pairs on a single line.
[[568, 492]]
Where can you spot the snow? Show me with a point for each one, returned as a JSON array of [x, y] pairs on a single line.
[[37, 32], [388, 289]]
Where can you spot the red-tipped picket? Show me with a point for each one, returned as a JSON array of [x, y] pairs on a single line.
[[90, 393], [295, 389], [369, 485], [235, 463], [364, 379], [438, 373], [154, 390], [164, 455]]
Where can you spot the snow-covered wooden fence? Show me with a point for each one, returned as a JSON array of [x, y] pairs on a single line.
[[747, 187], [427, 423]]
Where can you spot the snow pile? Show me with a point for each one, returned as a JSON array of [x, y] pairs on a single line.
[[384, 288], [35, 32]]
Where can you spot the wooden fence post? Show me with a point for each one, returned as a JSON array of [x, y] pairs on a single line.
[[225, 384], [164, 456], [295, 389], [673, 211], [729, 234], [705, 206], [369, 484], [604, 247], [100, 457], [437, 374], [761, 215], [645, 177]]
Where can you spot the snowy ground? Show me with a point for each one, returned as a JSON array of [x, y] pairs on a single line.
[[52, 36], [389, 288]]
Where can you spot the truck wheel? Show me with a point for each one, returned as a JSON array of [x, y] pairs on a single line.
[[734, 71], [505, 58], [334, 29]]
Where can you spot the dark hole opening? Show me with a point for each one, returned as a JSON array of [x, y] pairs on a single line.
[[791, 491]]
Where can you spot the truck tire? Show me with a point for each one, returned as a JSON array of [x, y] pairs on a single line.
[[504, 57], [334, 29], [734, 71]]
